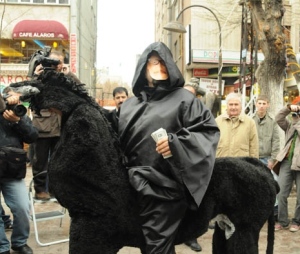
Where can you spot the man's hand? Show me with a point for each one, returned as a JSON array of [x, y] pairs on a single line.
[[294, 108], [13, 99], [270, 164], [9, 115], [162, 147], [38, 70]]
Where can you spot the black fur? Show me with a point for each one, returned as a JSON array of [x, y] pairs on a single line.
[[87, 177]]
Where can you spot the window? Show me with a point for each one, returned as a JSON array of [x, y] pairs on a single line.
[[17, 51], [38, 1]]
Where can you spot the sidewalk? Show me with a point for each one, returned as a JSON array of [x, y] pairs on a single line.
[[285, 241]]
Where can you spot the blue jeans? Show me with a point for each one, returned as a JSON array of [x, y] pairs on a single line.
[[286, 180], [6, 218], [16, 197]]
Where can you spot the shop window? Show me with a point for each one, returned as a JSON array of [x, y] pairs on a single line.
[[15, 51], [38, 1]]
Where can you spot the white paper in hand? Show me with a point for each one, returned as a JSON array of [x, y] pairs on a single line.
[[159, 134]]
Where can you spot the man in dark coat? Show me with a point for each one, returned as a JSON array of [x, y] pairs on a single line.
[[120, 95], [172, 174], [14, 132]]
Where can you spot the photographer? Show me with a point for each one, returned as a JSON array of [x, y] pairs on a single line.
[[288, 120], [55, 55], [48, 125], [14, 131]]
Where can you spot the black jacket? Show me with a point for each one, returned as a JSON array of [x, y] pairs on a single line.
[[113, 117], [14, 135], [192, 130]]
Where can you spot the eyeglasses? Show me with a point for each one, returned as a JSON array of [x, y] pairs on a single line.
[[156, 61]]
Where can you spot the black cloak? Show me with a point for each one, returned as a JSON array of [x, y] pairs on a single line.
[[192, 130]]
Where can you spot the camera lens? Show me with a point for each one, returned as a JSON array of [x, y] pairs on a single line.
[[20, 110]]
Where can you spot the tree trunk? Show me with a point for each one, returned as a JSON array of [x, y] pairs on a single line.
[[266, 20]]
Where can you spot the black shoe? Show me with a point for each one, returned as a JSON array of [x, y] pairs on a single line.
[[24, 249], [194, 245]]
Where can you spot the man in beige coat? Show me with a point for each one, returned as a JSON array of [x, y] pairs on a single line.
[[238, 131]]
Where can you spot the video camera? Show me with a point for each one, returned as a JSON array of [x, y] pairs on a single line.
[[41, 57], [19, 110]]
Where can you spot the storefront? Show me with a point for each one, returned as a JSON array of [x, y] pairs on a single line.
[[28, 36]]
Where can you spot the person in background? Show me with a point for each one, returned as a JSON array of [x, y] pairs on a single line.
[[14, 132], [48, 125], [238, 131], [193, 243], [70, 74], [289, 172], [268, 136], [191, 87], [120, 94], [176, 157]]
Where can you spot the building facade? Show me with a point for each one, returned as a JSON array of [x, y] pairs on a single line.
[[67, 26], [197, 51]]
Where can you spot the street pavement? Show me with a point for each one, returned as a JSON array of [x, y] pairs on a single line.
[[286, 242]]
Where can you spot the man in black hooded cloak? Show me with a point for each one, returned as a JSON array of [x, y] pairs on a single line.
[[172, 174]]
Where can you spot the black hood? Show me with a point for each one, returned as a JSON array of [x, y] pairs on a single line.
[[175, 77]]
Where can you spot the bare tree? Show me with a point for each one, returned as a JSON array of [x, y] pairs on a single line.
[[269, 33]]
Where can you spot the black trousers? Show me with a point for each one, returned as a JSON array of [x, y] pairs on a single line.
[[162, 205], [160, 221], [42, 149]]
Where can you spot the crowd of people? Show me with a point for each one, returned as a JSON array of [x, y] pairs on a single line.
[[161, 99]]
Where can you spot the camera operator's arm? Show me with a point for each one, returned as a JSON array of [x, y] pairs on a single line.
[[2, 104], [22, 126], [9, 115]]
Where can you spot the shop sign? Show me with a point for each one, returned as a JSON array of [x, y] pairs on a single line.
[[5, 80], [73, 53], [212, 56], [36, 35], [211, 85], [200, 72]]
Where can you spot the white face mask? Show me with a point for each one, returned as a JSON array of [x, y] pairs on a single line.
[[157, 68]]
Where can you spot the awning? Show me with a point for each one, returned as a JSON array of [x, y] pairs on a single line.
[[7, 51], [40, 29]]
